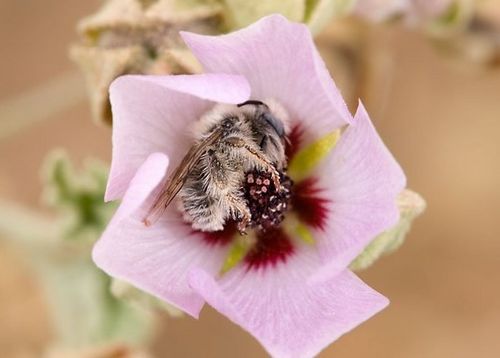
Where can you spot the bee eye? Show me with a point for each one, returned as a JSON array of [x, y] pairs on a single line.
[[263, 143], [275, 123]]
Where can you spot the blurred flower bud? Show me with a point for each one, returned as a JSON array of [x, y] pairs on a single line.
[[437, 15], [411, 205], [137, 36], [315, 13], [380, 10], [451, 19], [141, 36], [241, 13], [478, 40]]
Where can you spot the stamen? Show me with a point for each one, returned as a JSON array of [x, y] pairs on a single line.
[[266, 204]]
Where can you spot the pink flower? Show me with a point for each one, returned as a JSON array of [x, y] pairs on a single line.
[[294, 297]]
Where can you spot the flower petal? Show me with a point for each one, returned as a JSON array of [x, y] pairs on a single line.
[[361, 180], [280, 61], [153, 114], [142, 185], [288, 316], [155, 259]]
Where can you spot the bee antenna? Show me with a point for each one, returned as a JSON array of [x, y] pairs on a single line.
[[252, 102]]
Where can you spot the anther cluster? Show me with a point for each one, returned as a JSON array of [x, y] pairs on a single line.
[[267, 206]]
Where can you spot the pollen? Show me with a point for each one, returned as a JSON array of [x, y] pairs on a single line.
[[267, 205]]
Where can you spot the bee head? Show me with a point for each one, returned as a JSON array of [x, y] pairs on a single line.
[[274, 123], [265, 116]]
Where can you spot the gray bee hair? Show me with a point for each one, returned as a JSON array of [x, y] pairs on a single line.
[[229, 140]]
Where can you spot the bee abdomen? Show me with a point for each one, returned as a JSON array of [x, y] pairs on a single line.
[[203, 211], [204, 194]]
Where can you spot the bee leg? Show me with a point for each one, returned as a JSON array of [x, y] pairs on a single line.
[[240, 207], [257, 155], [242, 226], [276, 179]]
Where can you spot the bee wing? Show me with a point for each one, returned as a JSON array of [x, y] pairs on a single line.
[[178, 178]]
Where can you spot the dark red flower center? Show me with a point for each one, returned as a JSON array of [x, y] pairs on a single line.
[[309, 205], [272, 247], [223, 237]]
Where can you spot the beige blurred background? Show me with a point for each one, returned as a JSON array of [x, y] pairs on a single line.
[[440, 118]]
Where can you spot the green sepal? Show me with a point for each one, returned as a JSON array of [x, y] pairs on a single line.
[[410, 206], [452, 21]]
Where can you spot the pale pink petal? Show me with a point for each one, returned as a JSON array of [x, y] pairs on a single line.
[[147, 178], [361, 180], [153, 114], [155, 259], [288, 316], [280, 61]]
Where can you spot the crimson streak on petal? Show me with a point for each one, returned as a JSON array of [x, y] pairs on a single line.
[[272, 247], [308, 203], [294, 141], [223, 237]]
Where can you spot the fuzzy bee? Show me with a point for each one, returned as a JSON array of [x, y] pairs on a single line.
[[230, 141]]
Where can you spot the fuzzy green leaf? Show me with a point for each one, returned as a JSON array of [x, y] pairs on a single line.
[[77, 195], [83, 309]]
